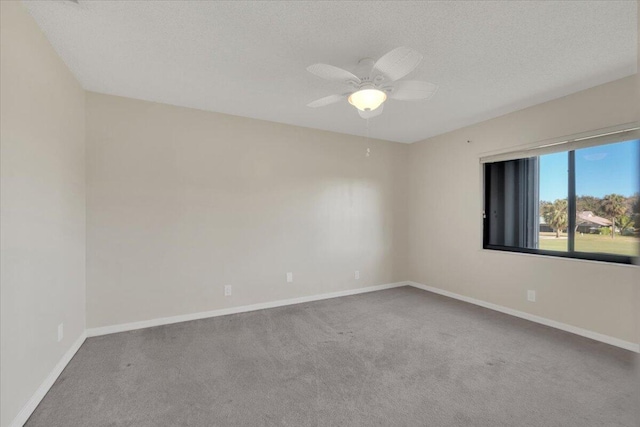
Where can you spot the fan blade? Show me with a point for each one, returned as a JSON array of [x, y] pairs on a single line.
[[331, 99], [412, 90], [334, 74], [396, 64], [371, 114]]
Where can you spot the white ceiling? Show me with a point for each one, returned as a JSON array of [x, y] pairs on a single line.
[[249, 58]]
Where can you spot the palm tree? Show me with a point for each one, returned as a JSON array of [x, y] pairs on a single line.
[[614, 206], [556, 215]]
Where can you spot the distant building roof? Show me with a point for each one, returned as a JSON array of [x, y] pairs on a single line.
[[588, 218]]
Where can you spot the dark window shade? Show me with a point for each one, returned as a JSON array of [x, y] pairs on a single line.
[[511, 203]]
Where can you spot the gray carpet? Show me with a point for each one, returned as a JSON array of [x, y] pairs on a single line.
[[400, 357]]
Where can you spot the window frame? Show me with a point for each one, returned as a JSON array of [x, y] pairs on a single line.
[[571, 252]]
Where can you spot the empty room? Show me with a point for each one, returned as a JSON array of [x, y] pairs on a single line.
[[319, 213]]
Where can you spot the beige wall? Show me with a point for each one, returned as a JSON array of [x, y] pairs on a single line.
[[182, 202], [445, 221], [42, 217]]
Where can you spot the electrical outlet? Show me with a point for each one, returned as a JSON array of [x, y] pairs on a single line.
[[289, 277], [60, 331], [227, 290], [531, 296], [357, 275]]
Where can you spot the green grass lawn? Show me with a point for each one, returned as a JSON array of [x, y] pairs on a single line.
[[620, 245]]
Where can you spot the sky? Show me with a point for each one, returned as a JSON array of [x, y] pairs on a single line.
[[600, 170]]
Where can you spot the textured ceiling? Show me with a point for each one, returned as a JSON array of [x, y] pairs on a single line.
[[249, 58]]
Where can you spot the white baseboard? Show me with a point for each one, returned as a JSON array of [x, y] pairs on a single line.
[[37, 397], [105, 330], [94, 332], [533, 318]]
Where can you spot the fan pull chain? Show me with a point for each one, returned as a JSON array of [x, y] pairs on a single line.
[[368, 140]]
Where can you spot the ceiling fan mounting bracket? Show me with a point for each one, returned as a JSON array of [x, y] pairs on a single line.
[[363, 69]]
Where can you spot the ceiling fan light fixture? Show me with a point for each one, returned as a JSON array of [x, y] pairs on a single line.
[[367, 99]]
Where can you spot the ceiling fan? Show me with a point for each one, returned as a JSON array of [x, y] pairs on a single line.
[[372, 82]]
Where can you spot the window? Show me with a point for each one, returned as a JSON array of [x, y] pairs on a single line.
[[577, 199]]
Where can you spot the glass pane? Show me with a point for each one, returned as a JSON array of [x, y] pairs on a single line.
[[607, 199], [553, 195]]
